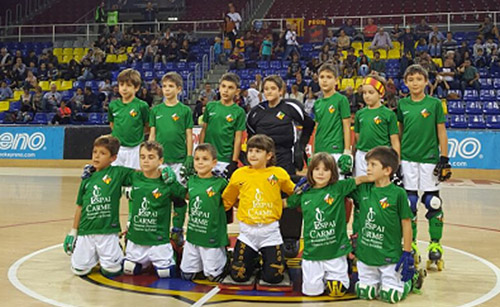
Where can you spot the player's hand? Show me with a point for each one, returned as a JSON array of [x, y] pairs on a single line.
[[70, 241], [189, 165], [298, 157], [88, 170], [168, 175], [443, 169], [301, 186], [345, 162], [397, 178], [230, 168], [177, 235], [406, 265]]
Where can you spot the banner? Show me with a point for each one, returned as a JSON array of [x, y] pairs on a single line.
[[474, 149], [316, 30], [31, 142], [299, 22]]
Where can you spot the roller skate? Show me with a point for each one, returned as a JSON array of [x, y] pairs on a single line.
[[435, 256], [416, 254], [418, 281]]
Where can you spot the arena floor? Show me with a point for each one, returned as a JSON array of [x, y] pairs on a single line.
[[38, 205]]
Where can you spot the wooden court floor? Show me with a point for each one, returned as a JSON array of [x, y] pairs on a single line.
[[37, 206]]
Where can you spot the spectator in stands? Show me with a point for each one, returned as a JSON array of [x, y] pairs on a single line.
[[370, 30], [362, 55], [218, 54], [294, 67], [30, 81], [494, 60], [422, 46], [266, 48], [477, 45], [145, 95], [185, 53], [151, 51], [435, 48], [253, 96], [381, 41], [76, 102], [208, 94], [299, 81], [100, 16], [330, 39], [115, 94], [378, 64], [360, 101], [157, 96], [150, 16], [490, 45], [72, 71], [52, 98], [5, 91], [338, 64], [396, 32], [309, 103], [449, 44], [364, 66], [449, 71], [27, 101], [258, 82], [236, 59], [112, 18], [19, 71], [87, 73], [295, 94], [106, 87], [312, 67], [408, 40], [32, 67], [324, 55], [480, 60], [234, 16], [404, 62], [470, 76], [351, 97], [90, 102], [53, 72], [391, 95], [351, 31], [435, 33], [6, 60], [43, 73], [62, 116], [31, 57], [440, 87], [487, 29], [292, 46], [422, 30], [343, 41], [38, 101], [250, 44], [314, 85]]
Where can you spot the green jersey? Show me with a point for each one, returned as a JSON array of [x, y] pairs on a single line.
[[207, 225], [150, 208], [420, 141], [222, 123], [99, 196], [171, 123], [325, 226], [375, 127], [380, 232], [329, 113], [129, 120]]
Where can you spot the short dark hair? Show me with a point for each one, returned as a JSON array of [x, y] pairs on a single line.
[[208, 148], [231, 77], [109, 142], [263, 142], [329, 163], [276, 80], [130, 75], [387, 156], [174, 77], [416, 69], [328, 67], [152, 145]]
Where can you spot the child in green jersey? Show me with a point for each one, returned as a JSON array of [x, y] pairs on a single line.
[[172, 126], [223, 125], [96, 225], [333, 115], [385, 268], [149, 215], [325, 228], [424, 155], [206, 238], [128, 118]]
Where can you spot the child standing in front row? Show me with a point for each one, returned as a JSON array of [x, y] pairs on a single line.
[[258, 188], [325, 228]]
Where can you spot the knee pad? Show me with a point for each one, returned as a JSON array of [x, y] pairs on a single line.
[[365, 291], [413, 200], [243, 263], [432, 201], [168, 272], [390, 295], [187, 276], [79, 272], [131, 268], [335, 288], [273, 267]]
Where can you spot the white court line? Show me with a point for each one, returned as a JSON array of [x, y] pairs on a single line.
[[15, 281]]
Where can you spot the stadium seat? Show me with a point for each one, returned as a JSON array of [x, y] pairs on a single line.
[[438, 62], [476, 122], [78, 58], [66, 85], [17, 95], [159, 66], [111, 58], [491, 108], [493, 121], [147, 66], [105, 118], [130, 49], [346, 82], [456, 107], [78, 84], [66, 95], [148, 75], [40, 119], [122, 58], [57, 51], [496, 83], [67, 51], [78, 51], [486, 83], [471, 95], [160, 73], [45, 85], [275, 64], [263, 64], [359, 82], [94, 119], [14, 106], [473, 107], [486, 95], [394, 54], [458, 121], [483, 72], [66, 58], [357, 46], [92, 85]]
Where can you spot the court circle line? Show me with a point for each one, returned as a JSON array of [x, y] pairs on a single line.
[[12, 275]]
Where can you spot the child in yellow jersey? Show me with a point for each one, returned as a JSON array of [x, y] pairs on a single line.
[[258, 188]]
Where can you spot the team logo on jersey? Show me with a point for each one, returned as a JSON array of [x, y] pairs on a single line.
[[331, 109], [106, 179], [377, 120], [328, 199], [175, 117], [133, 113], [229, 118], [210, 192], [272, 179], [156, 193], [280, 115], [384, 203], [425, 113]]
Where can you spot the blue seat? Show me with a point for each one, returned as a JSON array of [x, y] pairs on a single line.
[[486, 83], [476, 122], [92, 84], [496, 83], [456, 107], [148, 75], [263, 64], [487, 95], [160, 73], [275, 64], [471, 95], [104, 118], [78, 84], [493, 121], [66, 95], [192, 65], [114, 75], [473, 107], [147, 66], [491, 108], [181, 65], [458, 121], [94, 119], [170, 66], [14, 106], [40, 119], [483, 72], [159, 66]]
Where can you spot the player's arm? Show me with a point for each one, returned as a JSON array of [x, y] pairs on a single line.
[[346, 125], [77, 217], [356, 140], [401, 127], [230, 194], [111, 125], [443, 139], [293, 201], [146, 128], [407, 234], [396, 144], [202, 133], [238, 135], [189, 141], [361, 179], [152, 134], [70, 240]]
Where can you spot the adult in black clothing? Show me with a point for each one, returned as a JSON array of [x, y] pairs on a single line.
[[277, 118]]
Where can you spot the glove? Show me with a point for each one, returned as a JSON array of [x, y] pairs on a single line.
[[443, 169], [406, 265], [168, 175], [70, 241], [189, 165], [301, 186], [345, 162], [177, 235], [397, 178], [298, 157], [88, 170], [232, 166]]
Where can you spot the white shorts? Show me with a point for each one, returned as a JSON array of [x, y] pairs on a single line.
[[209, 260], [260, 235], [419, 176], [336, 156], [220, 167], [359, 163], [91, 249], [176, 167], [128, 157], [380, 276], [161, 256], [316, 273]]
